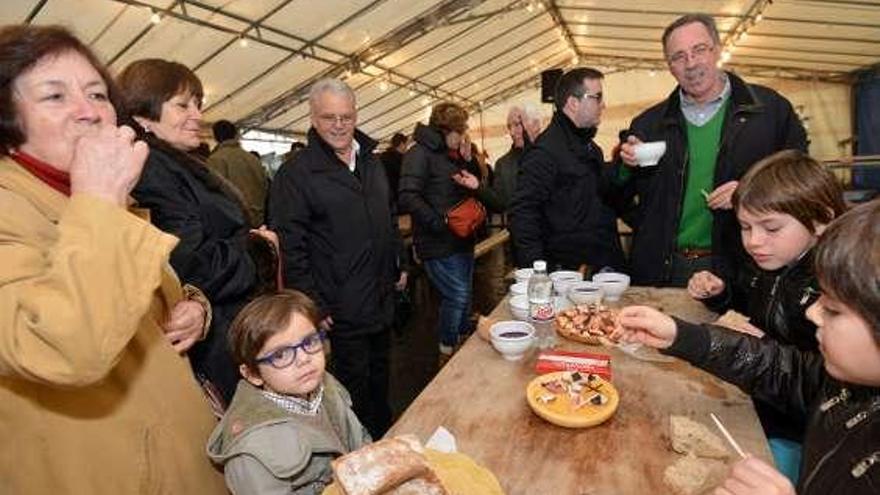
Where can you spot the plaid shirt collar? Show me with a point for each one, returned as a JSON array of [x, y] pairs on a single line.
[[296, 405]]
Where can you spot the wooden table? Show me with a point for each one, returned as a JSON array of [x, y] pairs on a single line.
[[480, 398]]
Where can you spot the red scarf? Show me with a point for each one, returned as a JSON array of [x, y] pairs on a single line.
[[54, 178]]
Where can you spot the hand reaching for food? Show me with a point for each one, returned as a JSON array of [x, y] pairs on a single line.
[[705, 284], [646, 325]]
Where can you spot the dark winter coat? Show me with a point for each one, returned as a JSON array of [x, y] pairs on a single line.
[[189, 201], [758, 123], [427, 192], [560, 211], [339, 234], [841, 452]]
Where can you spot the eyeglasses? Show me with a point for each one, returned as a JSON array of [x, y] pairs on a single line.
[[696, 53], [597, 96], [285, 356], [330, 119]]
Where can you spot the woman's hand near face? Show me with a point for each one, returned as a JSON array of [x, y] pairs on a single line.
[[108, 163], [185, 325], [647, 326]]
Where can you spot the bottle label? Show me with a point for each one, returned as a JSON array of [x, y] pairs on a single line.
[[542, 312]]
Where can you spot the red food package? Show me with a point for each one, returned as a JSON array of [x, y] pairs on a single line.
[[585, 362]]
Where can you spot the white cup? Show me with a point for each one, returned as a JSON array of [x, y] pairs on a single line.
[[648, 154]]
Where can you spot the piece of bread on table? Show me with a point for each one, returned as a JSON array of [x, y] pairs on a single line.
[[738, 322], [380, 467], [731, 317], [690, 437], [691, 475], [427, 484]]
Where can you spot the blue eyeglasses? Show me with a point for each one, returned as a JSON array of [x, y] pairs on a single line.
[[285, 356]]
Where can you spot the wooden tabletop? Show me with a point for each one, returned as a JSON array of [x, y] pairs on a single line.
[[480, 398]]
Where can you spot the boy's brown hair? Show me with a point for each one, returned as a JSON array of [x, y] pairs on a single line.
[[264, 317], [848, 262], [793, 183]]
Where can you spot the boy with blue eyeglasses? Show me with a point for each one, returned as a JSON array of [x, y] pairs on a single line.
[[289, 418]]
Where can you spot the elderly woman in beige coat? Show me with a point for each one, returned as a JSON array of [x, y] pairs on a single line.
[[95, 396]]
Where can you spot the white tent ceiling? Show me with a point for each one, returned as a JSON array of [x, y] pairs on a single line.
[[257, 58]]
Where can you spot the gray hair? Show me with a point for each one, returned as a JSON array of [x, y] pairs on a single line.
[[531, 112], [331, 85], [704, 19]]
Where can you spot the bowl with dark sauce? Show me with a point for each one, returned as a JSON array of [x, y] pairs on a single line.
[[512, 338]]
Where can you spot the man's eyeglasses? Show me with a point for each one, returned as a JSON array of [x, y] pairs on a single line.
[[285, 356], [596, 96], [330, 119], [698, 52]]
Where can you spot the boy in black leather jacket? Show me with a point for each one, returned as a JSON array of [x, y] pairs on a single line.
[[783, 205], [838, 395]]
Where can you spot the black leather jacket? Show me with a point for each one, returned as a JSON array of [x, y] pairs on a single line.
[[842, 446], [776, 302]]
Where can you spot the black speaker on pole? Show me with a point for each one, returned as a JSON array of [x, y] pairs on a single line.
[[549, 78]]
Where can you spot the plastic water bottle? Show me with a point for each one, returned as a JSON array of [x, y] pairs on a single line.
[[541, 305]]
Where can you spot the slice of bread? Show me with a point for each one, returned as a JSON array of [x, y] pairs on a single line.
[[732, 318], [691, 475], [428, 484], [380, 467], [690, 437]]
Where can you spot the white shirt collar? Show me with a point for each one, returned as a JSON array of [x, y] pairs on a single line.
[[355, 149]]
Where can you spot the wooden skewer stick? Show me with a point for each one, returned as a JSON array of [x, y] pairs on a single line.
[[726, 434]]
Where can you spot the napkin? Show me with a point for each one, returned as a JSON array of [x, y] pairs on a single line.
[[442, 440]]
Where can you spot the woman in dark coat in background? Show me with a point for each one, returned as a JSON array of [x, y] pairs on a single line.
[[186, 199]]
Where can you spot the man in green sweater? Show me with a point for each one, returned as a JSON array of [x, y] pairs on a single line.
[[716, 126]]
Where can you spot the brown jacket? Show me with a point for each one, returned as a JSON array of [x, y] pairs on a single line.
[[92, 398]]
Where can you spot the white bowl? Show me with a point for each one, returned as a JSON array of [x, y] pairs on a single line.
[[649, 154], [585, 293], [613, 284], [519, 307], [519, 289], [563, 278], [523, 274], [512, 338]]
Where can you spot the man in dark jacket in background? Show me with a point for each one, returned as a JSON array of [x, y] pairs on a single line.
[[559, 213], [242, 169], [716, 126], [392, 158], [333, 213], [523, 124]]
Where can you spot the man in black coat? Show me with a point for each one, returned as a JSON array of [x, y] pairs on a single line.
[[333, 213], [716, 126], [559, 211], [392, 158]]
